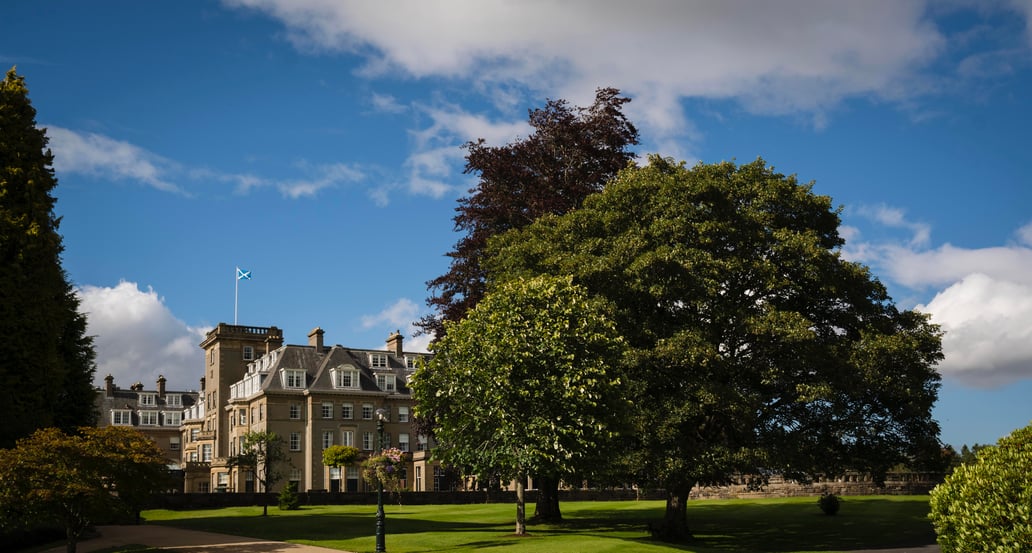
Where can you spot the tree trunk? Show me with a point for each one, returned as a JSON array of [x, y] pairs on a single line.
[[521, 507], [675, 520], [547, 507], [71, 539]]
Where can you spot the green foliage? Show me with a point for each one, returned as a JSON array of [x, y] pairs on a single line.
[[262, 453], [987, 505], [754, 345], [829, 503], [48, 358], [339, 455], [74, 480], [288, 498], [386, 468], [527, 383]]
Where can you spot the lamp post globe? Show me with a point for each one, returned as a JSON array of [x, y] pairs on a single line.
[[381, 546]]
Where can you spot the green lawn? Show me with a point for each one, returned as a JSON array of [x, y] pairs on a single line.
[[792, 525]]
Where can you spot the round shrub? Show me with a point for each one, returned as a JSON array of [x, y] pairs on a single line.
[[829, 503], [987, 505]]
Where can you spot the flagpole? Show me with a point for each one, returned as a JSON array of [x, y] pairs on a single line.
[[236, 293]]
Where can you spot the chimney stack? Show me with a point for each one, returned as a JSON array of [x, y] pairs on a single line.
[[109, 386], [161, 385], [315, 338], [394, 343]]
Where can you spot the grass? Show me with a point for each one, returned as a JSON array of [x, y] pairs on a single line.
[[793, 525]]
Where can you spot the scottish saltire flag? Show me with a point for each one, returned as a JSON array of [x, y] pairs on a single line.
[[243, 275]]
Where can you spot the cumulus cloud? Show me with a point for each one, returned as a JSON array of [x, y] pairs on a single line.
[[137, 338], [988, 326], [401, 315], [982, 296]]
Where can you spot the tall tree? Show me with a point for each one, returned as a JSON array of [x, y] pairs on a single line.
[[262, 453], [46, 359], [76, 480], [527, 383], [755, 346], [572, 152]]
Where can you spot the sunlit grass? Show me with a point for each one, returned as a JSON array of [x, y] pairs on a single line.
[[792, 525]]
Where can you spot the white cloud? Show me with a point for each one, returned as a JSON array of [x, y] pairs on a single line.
[[401, 315], [137, 338], [386, 103], [105, 157], [988, 330], [1024, 235]]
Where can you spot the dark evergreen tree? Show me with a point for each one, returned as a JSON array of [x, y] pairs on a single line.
[[46, 358]]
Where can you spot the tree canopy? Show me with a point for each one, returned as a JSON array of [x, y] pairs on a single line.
[[754, 346], [46, 358], [527, 383], [572, 152], [75, 480], [262, 453]]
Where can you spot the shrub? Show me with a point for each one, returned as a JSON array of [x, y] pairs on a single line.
[[829, 503], [288, 498], [987, 505]]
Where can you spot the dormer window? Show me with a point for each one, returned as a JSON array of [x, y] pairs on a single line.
[[121, 417], [148, 418], [344, 377], [149, 399], [411, 362], [386, 382], [378, 360], [248, 353], [293, 378], [173, 400], [172, 418]]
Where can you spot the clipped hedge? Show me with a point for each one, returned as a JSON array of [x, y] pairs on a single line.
[[986, 506]]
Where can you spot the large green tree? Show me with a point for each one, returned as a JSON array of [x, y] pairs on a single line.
[[75, 480], [571, 153], [46, 359], [261, 453], [755, 346], [527, 383]]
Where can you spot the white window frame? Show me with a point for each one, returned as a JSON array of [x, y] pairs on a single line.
[[248, 353], [295, 411], [295, 441], [172, 418], [121, 417], [411, 361], [327, 438], [148, 399], [327, 410], [173, 443], [387, 382], [174, 400], [403, 441], [347, 437], [378, 360], [293, 379], [347, 411], [403, 413], [368, 442], [346, 377], [148, 418], [205, 453], [367, 411]]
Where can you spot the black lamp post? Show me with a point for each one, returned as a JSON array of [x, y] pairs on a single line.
[[381, 546]]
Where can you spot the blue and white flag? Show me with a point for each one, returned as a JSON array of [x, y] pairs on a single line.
[[243, 275]]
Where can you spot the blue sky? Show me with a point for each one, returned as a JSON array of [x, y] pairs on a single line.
[[317, 144]]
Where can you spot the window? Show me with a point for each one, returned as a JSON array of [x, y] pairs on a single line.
[[367, 411], [295, 441], [295, 411], [378, 360], [121, 417], [173, 443], [295, 475], [327, 438], [261, 411], [411, 361], [327, 410], [243, 416], [223, 479], [403, 442], [403, 414], [386, 441], [385, 382], [248, 353], [367, 441], [194, 433], [347, 411], [344, 377], [420, 443], [347, 437], [149, 418], [203, 487], [193, 456], [419, 479], [148, 399], [293, 378], [206, 453], [172, 418], [174, 400]]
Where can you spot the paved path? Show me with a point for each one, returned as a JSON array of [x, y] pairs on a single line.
[[185, 541]]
